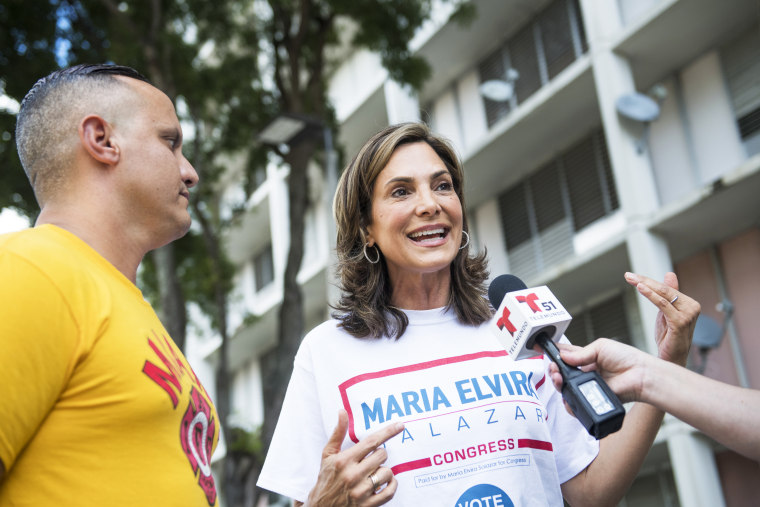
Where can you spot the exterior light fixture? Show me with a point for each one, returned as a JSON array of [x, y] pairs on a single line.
[[282, 130]]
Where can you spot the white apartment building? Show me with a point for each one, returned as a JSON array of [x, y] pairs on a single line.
[[567, 186]]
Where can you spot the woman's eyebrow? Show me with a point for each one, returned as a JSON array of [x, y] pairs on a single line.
[[399, 179], [409, 179]]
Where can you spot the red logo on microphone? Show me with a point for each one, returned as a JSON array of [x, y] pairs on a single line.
[[530, 299], [505, 322]]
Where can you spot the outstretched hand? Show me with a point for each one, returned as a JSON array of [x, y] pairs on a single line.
[[621, 366], [355, 476], [674, 324]]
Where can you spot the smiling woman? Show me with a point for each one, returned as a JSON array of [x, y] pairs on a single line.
[[431, 410], [405, 183], [409, 335], [416, 222]]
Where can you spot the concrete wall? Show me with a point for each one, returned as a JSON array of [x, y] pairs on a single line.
[[354, 82], [633, 10], [697, 278], [741, 265], [713, 128], [739, 262], [740, 477], [446, 117], [670, 147]]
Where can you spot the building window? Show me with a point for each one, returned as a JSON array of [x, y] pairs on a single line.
[[263, 268], [549, 43], [604, 320], [589, 181], [741, 62], [540, 214]]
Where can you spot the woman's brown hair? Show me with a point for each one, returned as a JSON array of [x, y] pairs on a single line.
[[364, 309]]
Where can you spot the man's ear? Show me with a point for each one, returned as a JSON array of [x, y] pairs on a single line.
[[96, 136]]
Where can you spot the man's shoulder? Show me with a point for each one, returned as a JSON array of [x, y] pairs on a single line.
[[46, 249], [31, 236]]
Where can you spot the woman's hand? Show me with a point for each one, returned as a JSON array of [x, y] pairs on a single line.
[[346, 477], [674, 324]]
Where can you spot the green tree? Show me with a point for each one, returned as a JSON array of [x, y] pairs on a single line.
[[232, 65], [219, 95], [297, 35]]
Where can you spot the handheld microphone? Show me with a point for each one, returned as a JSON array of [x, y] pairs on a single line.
[[526, 317]]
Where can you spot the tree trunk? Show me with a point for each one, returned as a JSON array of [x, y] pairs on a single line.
[[171, 309], [277, 364], [222, 402]]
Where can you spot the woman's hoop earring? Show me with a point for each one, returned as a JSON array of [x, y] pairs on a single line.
[[367, 256], [466, 242]]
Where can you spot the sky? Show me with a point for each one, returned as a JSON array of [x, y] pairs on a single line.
[[11, 221]]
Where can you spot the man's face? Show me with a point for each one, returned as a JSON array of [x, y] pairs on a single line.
[[156, 176]]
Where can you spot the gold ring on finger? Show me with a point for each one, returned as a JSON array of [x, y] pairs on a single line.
[[375, 484]]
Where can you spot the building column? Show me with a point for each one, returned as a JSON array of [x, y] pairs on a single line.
[[401, 103], [279, 218], [692, 460], [690, 457]]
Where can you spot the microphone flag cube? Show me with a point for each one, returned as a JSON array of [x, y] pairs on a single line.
[[523, 314]]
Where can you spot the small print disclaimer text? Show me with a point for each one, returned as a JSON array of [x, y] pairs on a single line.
[[420, 481]]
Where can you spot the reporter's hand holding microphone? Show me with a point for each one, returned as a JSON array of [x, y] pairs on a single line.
[[722, 411], [674, 327]]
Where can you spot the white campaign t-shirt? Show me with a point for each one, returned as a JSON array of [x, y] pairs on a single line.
[[480, 428]]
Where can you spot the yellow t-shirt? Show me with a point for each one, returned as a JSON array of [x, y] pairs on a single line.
[[97, 405]]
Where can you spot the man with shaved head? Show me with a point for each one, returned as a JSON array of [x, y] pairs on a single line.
[[98, 406]]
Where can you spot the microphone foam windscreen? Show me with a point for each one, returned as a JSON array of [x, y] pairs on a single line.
[[501, 285]]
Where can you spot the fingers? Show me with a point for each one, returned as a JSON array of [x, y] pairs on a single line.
[[671, 280], [373, 441], [385, 493], [368, 455], [579, 356], [557, 380], [556, 377], [338, 435], [355, 476], [665, 295], [665, 291]]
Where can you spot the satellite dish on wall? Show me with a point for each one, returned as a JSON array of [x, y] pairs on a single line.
[[497, 90], [500, 90], [638, 107], [707, 332]]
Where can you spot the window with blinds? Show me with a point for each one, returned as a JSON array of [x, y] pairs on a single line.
[[544, 47], [263, 268], [741, 62], [523, 58], [604, 320], [541, 214], [495, 67]]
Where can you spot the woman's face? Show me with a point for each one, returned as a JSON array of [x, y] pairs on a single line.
[[416, 215]]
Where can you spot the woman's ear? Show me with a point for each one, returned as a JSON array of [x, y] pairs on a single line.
[[96, 136], [366, 236]]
